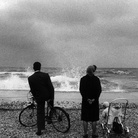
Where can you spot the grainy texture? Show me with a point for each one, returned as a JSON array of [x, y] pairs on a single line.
[[11, 128]]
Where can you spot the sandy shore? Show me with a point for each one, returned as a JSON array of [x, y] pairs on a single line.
[[21, 95], [105, 96]]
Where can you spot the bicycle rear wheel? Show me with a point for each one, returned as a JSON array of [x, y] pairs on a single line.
[[60, 119], [28, 116]]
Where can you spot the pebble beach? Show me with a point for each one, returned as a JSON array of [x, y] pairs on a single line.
[[11, 128]]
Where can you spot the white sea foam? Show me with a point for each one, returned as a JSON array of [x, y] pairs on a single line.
[[65, 83], [14, 82], [68, 79]]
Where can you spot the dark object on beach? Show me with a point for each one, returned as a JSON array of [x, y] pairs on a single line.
[[56, 116], [42, 90], [90, 89], [117, 126]]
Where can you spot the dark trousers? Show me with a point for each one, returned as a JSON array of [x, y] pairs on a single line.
[[40, 115]]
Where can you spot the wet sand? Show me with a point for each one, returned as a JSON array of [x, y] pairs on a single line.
[[21, 95], [105, 96]]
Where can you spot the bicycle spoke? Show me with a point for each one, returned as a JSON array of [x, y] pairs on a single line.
[[28, 116], [60, 120]]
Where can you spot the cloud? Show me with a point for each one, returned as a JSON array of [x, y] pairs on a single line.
[[63, 32]]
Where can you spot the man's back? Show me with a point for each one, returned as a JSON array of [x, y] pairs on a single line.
[[41, 86], [42, 90]]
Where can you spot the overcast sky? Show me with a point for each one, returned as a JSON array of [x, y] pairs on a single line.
[[69, 32]]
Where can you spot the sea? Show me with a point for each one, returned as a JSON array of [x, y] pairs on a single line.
[[66, 80]]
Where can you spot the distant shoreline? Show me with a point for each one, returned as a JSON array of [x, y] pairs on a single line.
[[21, 95]]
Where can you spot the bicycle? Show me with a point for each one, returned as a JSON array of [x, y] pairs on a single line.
[[56, 116]]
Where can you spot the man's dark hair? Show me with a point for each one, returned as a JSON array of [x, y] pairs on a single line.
[[37, 66]]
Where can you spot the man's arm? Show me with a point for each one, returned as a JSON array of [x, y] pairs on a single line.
[[31, 88], [50, 87]]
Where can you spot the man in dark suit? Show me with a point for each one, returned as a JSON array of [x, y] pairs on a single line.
[[42, 90]]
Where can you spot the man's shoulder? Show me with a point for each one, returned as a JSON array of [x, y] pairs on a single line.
[[38, 74], [31, 76], [44, 73]]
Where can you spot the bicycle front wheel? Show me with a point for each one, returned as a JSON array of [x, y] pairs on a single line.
[[60, 119], [28, 116]]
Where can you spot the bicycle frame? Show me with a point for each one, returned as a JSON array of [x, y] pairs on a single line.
[[34, 103], [56, 116], [125, 107]]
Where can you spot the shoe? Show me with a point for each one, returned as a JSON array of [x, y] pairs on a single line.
[[85, 136], [94, 136], [38, 133]]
